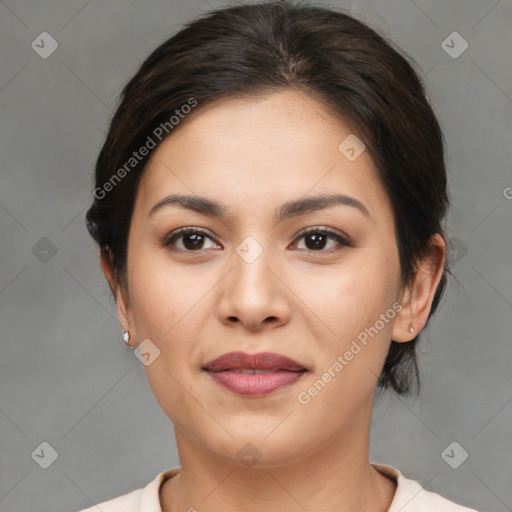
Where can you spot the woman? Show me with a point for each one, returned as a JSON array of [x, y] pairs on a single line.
[[268, 206]]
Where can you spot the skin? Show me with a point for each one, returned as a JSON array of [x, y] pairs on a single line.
[[305, 303]]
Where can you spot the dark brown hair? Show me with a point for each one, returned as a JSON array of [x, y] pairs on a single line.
[[256, 49]]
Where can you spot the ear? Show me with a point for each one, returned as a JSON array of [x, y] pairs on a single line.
[[120, 294], [417, 297]]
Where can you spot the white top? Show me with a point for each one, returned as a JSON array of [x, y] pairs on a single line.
[[409, 496]]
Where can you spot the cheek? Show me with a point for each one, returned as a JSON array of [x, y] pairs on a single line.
[[162, 295], [349, 361], [171, 307], [351, 296], [350, 301], [168, 311]]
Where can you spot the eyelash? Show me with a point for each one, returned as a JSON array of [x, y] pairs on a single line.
[[169, 240]]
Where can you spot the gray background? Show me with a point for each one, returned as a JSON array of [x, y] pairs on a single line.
[[66, 377]]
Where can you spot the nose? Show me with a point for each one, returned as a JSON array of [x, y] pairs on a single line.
[[254, 293]]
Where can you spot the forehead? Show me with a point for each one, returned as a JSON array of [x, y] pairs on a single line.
[[260, 150]]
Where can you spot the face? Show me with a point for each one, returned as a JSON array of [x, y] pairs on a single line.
[[250, 281]]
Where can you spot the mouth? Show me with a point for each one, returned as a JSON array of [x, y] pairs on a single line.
[[254, 374], [253, 371]]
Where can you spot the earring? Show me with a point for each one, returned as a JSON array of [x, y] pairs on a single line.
[[126, 337], [411, 328]]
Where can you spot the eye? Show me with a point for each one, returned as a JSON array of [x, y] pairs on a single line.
[[192, 239], [316, 239]]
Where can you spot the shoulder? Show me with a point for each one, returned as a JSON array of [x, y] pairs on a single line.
[[146, 499], [410, 496]]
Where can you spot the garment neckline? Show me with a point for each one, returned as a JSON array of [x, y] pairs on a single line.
[[390, 472]]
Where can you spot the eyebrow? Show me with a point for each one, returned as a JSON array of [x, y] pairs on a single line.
[[212, 208]]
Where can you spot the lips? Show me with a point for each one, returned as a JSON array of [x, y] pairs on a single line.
[[253, 375], [243, 362]]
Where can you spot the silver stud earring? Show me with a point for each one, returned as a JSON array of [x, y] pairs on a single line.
[[411, 328], [126, 337]]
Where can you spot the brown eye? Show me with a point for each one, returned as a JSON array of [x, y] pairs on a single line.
[[192, 240], [317, 239]]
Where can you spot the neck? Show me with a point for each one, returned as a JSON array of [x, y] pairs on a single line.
[[336, 478]]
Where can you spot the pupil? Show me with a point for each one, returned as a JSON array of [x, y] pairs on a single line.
[[318, 237], [196, 240]]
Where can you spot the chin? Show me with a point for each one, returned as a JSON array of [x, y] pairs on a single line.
[[257, 449]]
